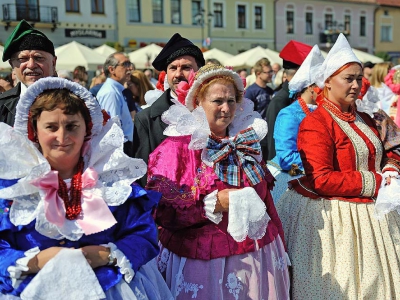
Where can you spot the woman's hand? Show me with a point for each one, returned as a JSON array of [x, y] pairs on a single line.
[[222, 204], [37, 263], [96, 256]]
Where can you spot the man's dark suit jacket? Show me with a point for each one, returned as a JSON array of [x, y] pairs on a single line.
[[149, 128], [279, 101], [8, 104]]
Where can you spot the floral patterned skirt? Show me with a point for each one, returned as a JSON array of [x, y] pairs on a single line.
[[262, 274], [339, 250]]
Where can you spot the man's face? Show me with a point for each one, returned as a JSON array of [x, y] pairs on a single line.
[[122, 71], [31, 65], [266, 74], [148, 74], [276, 68], [179, 70], [367, 72]]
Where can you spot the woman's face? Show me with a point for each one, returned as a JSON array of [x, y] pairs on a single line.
[[219, 104], [60, 136], [133, 87], [344, 87]]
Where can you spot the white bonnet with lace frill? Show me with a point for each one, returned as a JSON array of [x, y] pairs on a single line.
[[187, 120], [103, 156], [49, 83]]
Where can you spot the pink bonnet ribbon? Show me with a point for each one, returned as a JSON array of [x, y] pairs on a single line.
[[96, 216]]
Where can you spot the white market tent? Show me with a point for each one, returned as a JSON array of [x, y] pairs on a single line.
[[75, 54], [217, 54], [143, 57], [249, 58], [105, 50], [5, 64], [364, 57]]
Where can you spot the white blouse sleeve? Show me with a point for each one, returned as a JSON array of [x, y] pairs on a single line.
[[125, 266], [21, 265], [210, 201]]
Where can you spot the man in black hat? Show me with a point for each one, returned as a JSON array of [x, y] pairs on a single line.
[[178, 58], [31, 55]]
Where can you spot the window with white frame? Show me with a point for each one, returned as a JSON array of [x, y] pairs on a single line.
[[218, 15], [258, 20], [386, 33], [133, 10], [328, 21], [363, 26], [196, 10], [241, 16], [347, 24], [290, 21], [309, 22], [176, 11], [158, 11]]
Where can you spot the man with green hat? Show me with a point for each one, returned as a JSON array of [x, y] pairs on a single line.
[[31, 55]]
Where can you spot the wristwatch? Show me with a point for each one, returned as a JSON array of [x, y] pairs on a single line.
[[111, 259]]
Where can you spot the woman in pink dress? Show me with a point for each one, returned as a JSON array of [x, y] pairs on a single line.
[[220, 234]]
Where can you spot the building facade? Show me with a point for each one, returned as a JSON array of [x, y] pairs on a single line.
[[320, 22], [229, 25], [387, 29], [91, 23]]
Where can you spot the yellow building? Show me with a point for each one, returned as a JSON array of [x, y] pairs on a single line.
[[229, 25], [387, 28]]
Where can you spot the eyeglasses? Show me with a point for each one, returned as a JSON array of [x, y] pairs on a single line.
[[125, 64]]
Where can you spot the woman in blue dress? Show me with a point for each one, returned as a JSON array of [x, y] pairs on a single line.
[[73, 224], [287, 165]]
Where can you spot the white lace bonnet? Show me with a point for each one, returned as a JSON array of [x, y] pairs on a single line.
[[305, 75], [49, 83], [340, 54], [206, 73]]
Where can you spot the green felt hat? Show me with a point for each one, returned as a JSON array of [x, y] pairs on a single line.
[[25, 37]]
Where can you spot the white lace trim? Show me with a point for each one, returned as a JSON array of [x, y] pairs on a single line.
[[48, 83], [21, 265], [182, 285], [234, 285], [163, 259], [183, 122], [18, 156], [247, 215], [125, 266], [209, 206], [369, 103], [388, 197]]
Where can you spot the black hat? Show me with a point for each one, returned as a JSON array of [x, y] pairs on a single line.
[[25, 37], [177, 46], [368, 64]]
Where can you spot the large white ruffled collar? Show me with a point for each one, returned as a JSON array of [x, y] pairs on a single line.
[[20, 158], [183, 122]]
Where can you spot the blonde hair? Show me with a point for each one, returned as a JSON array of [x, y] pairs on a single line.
[[101, 77], [379, 71], [260, 64]]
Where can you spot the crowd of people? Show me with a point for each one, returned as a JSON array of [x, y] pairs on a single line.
[[198, 186]]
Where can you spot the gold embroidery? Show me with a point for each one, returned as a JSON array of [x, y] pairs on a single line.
[[368, 184]]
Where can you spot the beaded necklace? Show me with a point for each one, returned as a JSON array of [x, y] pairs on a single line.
[[304, 106], [345, 116], [72, 203]]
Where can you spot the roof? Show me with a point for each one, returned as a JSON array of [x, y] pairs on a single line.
[[389, 2]]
